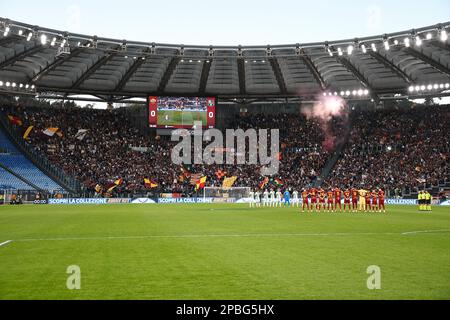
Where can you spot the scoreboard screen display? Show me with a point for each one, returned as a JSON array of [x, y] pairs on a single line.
[[181, 112]]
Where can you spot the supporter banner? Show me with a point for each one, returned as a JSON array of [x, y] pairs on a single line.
[[89, 201], [445, 203], [402, 201], [185, 200], [171, 195]]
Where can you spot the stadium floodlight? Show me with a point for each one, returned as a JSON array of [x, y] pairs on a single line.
[[422, 87], [339, 51], [32, 87], [63, 43], [436, 86], [43, 39], [354, 92], [418, 41], [335, 93], [350, 50], [363, 48], [342, 93], [396, 42], [263, 61], [20, 32], [444, 35], [27, 86], [407, 42], [30, 35], [441, 86], [360, 92], [447, 85], [366, 92], [246, 61], [374, 47], [190, 61], [430, 87], [7, 29], [429, 36], [417, 88], [13, 85], [53, 42], [324, 94], [181, 60], [330, 52], [20, 85], [347, 93], [386, 45], [1, 83], [411, 89], [8, 84]]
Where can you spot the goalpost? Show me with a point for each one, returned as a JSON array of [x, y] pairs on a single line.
[[227, 195]]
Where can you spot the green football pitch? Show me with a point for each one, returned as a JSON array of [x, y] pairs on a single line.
[[180, 252], [181, 118]]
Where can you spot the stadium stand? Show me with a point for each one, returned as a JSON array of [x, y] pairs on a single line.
[[20, 165]]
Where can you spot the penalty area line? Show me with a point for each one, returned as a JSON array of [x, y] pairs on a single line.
[[5, 243]]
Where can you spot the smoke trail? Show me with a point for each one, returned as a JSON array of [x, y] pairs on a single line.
[[324, 111]]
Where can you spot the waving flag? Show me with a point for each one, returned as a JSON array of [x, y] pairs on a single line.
[[150, 184], [264, 183], [200, 183], [278, 182], [27, 133], [51, 132], [116, 183], [81, 134], [15, 120], [229, 182], [220, 174]]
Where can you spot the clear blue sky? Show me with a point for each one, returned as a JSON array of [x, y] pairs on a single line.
[[229, 22]]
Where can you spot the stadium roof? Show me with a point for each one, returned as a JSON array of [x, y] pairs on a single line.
[[47, 61]]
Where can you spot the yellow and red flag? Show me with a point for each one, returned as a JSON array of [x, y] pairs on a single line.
[[27, 133], [150, 184], [201, 183], [15, 120]]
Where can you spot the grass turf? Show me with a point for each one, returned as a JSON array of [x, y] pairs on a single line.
[[289, 256]]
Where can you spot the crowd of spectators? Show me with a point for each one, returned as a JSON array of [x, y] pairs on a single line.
[[387, 149], [396, 149]]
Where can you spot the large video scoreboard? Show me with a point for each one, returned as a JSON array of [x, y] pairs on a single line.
[[181, 112]]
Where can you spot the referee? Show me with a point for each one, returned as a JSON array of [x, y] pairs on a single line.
[[427, 201], [420, 199]]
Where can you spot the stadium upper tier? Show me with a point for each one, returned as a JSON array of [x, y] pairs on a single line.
[[410, 62]]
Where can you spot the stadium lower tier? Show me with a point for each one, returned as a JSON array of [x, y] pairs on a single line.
[[400, 150]]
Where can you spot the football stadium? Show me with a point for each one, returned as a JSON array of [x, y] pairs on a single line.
[[133, 170]]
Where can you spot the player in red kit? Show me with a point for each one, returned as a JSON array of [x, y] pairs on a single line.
[[313, 193], [321, 203], [374, 198], [355, 195], [347, 195], [368, 206], [305, 199], [381, 201], [337, 199], [330, 200]]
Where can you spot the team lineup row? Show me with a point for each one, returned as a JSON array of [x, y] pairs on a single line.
[[318, 199]]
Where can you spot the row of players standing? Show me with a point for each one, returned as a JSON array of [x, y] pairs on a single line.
[[317, 199]]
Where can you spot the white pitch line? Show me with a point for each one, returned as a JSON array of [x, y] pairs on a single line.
[[5, 243], [251, 235], [209, 236], [426, 231]]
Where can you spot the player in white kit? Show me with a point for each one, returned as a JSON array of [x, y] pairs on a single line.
[[266, 198], [272, 198], [295, 199], [258, 199], [252, 199], [278, 199]]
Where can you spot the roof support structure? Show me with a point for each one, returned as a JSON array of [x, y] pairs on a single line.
[[20, 56], [92, 70], [347, 64], [241, 74], [312, 68], [129, 74], [399, 72], [170, 69], [431, 62], [204, 77], [278, 75]]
